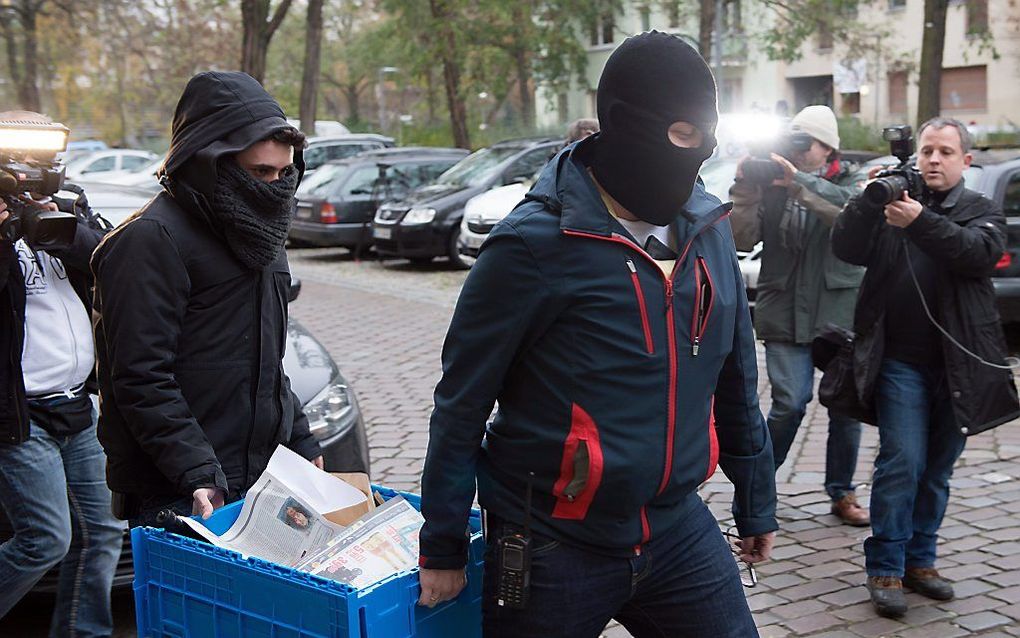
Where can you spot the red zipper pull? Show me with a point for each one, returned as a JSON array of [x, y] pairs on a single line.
[[669, 294]]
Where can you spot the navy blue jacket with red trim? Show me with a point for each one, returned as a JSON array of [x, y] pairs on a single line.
[[619, 388]]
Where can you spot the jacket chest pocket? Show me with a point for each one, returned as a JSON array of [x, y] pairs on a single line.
[[580, 469], [704, 302], [639, 295]]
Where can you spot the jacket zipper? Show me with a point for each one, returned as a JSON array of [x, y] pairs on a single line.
[[646, 531], [649, 347], [257, 374]]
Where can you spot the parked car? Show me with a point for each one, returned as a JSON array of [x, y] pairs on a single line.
[[322, 127], [104, 164], [332, 408], [483, 212], [323, 149], [143, 177], [426, 224], [336, 204]]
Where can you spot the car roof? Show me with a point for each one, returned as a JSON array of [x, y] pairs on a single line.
[[527, 142], [403, 153], [988, 157], [350, 137]]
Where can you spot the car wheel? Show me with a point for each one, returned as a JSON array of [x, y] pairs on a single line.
[[453, 253]]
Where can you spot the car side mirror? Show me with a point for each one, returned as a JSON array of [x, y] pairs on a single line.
[[295, 289]]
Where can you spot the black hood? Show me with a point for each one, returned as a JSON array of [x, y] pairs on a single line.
[[219, 113]]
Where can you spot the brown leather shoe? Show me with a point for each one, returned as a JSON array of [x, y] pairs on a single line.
[[927, 582], [887, 596], [850, 512]]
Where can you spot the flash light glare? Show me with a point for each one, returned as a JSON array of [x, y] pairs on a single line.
[[27, 139]]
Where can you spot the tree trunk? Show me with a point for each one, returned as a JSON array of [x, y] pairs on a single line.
[[29, 90], [932, 46], [353, 94], [258, 30], [13, 64], [451, 73], [706, 24], [522, 29], [310, 79]]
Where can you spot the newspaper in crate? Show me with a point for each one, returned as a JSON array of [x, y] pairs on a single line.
[[380, 544], [291, 512]]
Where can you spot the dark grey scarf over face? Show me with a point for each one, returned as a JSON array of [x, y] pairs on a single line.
[[253, 215]]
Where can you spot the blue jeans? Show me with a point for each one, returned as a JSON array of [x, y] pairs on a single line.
[[792, 377], [918, 445], [684, 583], [54, 493]]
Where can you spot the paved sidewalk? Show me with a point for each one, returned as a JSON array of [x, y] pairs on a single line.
[[385, 325]]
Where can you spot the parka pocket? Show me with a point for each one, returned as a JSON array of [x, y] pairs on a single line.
[[704, 300], [713, 443], [580, 468]]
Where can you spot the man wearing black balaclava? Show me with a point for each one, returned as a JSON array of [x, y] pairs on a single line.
[[190, 310], [607, 316]]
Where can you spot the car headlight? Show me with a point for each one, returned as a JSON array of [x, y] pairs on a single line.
[[419, 216], [329, 412]]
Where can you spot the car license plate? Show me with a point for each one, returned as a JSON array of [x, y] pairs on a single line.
[[472, 241], [382, 233]]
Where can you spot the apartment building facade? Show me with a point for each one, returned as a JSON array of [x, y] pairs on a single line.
[[981, 63]]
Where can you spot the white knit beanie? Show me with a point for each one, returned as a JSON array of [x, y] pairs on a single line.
[[819, 122]]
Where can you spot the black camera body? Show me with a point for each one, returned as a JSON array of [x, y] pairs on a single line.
[[28, 169], [761, 169], [890, 184]]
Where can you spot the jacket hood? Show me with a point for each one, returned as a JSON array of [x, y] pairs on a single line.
[[220, 113], [566, 187]]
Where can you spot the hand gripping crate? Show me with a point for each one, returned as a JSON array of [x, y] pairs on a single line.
[[188, 589]]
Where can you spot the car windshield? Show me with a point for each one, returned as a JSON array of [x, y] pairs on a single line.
[[321, 181], [477, 168]]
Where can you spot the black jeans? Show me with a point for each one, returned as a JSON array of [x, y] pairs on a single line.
[[684, 583]]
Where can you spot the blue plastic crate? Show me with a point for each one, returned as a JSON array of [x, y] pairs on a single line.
[[186, 588]]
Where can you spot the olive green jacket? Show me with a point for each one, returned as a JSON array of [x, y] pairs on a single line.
[[802, 286]]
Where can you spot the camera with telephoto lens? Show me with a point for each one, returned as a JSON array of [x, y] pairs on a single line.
[[890, 184], [28, 164], [761, 169]]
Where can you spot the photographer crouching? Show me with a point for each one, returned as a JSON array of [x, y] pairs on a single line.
[[788, 202], [929, 352], [52, 482]]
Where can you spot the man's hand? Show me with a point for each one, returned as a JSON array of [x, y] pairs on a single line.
[[440, 585], [755, 549], [205, 500], [902, 212], [789, 170], [318, 462]]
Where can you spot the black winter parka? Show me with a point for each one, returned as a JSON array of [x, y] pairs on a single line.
[[189, 341], [965, 239]]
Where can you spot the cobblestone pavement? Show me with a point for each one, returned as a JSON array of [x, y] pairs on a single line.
[[384, 324]]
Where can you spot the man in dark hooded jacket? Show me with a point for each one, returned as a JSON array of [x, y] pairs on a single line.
[[607, 316], [190, 310]]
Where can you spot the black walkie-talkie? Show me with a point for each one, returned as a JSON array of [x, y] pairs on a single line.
[[515, 562]]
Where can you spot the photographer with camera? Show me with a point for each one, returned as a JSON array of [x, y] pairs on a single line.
[[789, 204], [52, 483], [929, 351]]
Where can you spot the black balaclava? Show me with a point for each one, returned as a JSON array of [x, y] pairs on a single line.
[[651, 81]]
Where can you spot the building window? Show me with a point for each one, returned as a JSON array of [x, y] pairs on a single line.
[[732, 20], [646, 17], [898, 93], [977, 17], [600, 31], [897, 5], [731, 96], [851, 103], [964, 89], [824, 37]]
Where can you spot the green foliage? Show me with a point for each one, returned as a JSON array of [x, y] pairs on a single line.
[[859, 136]]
